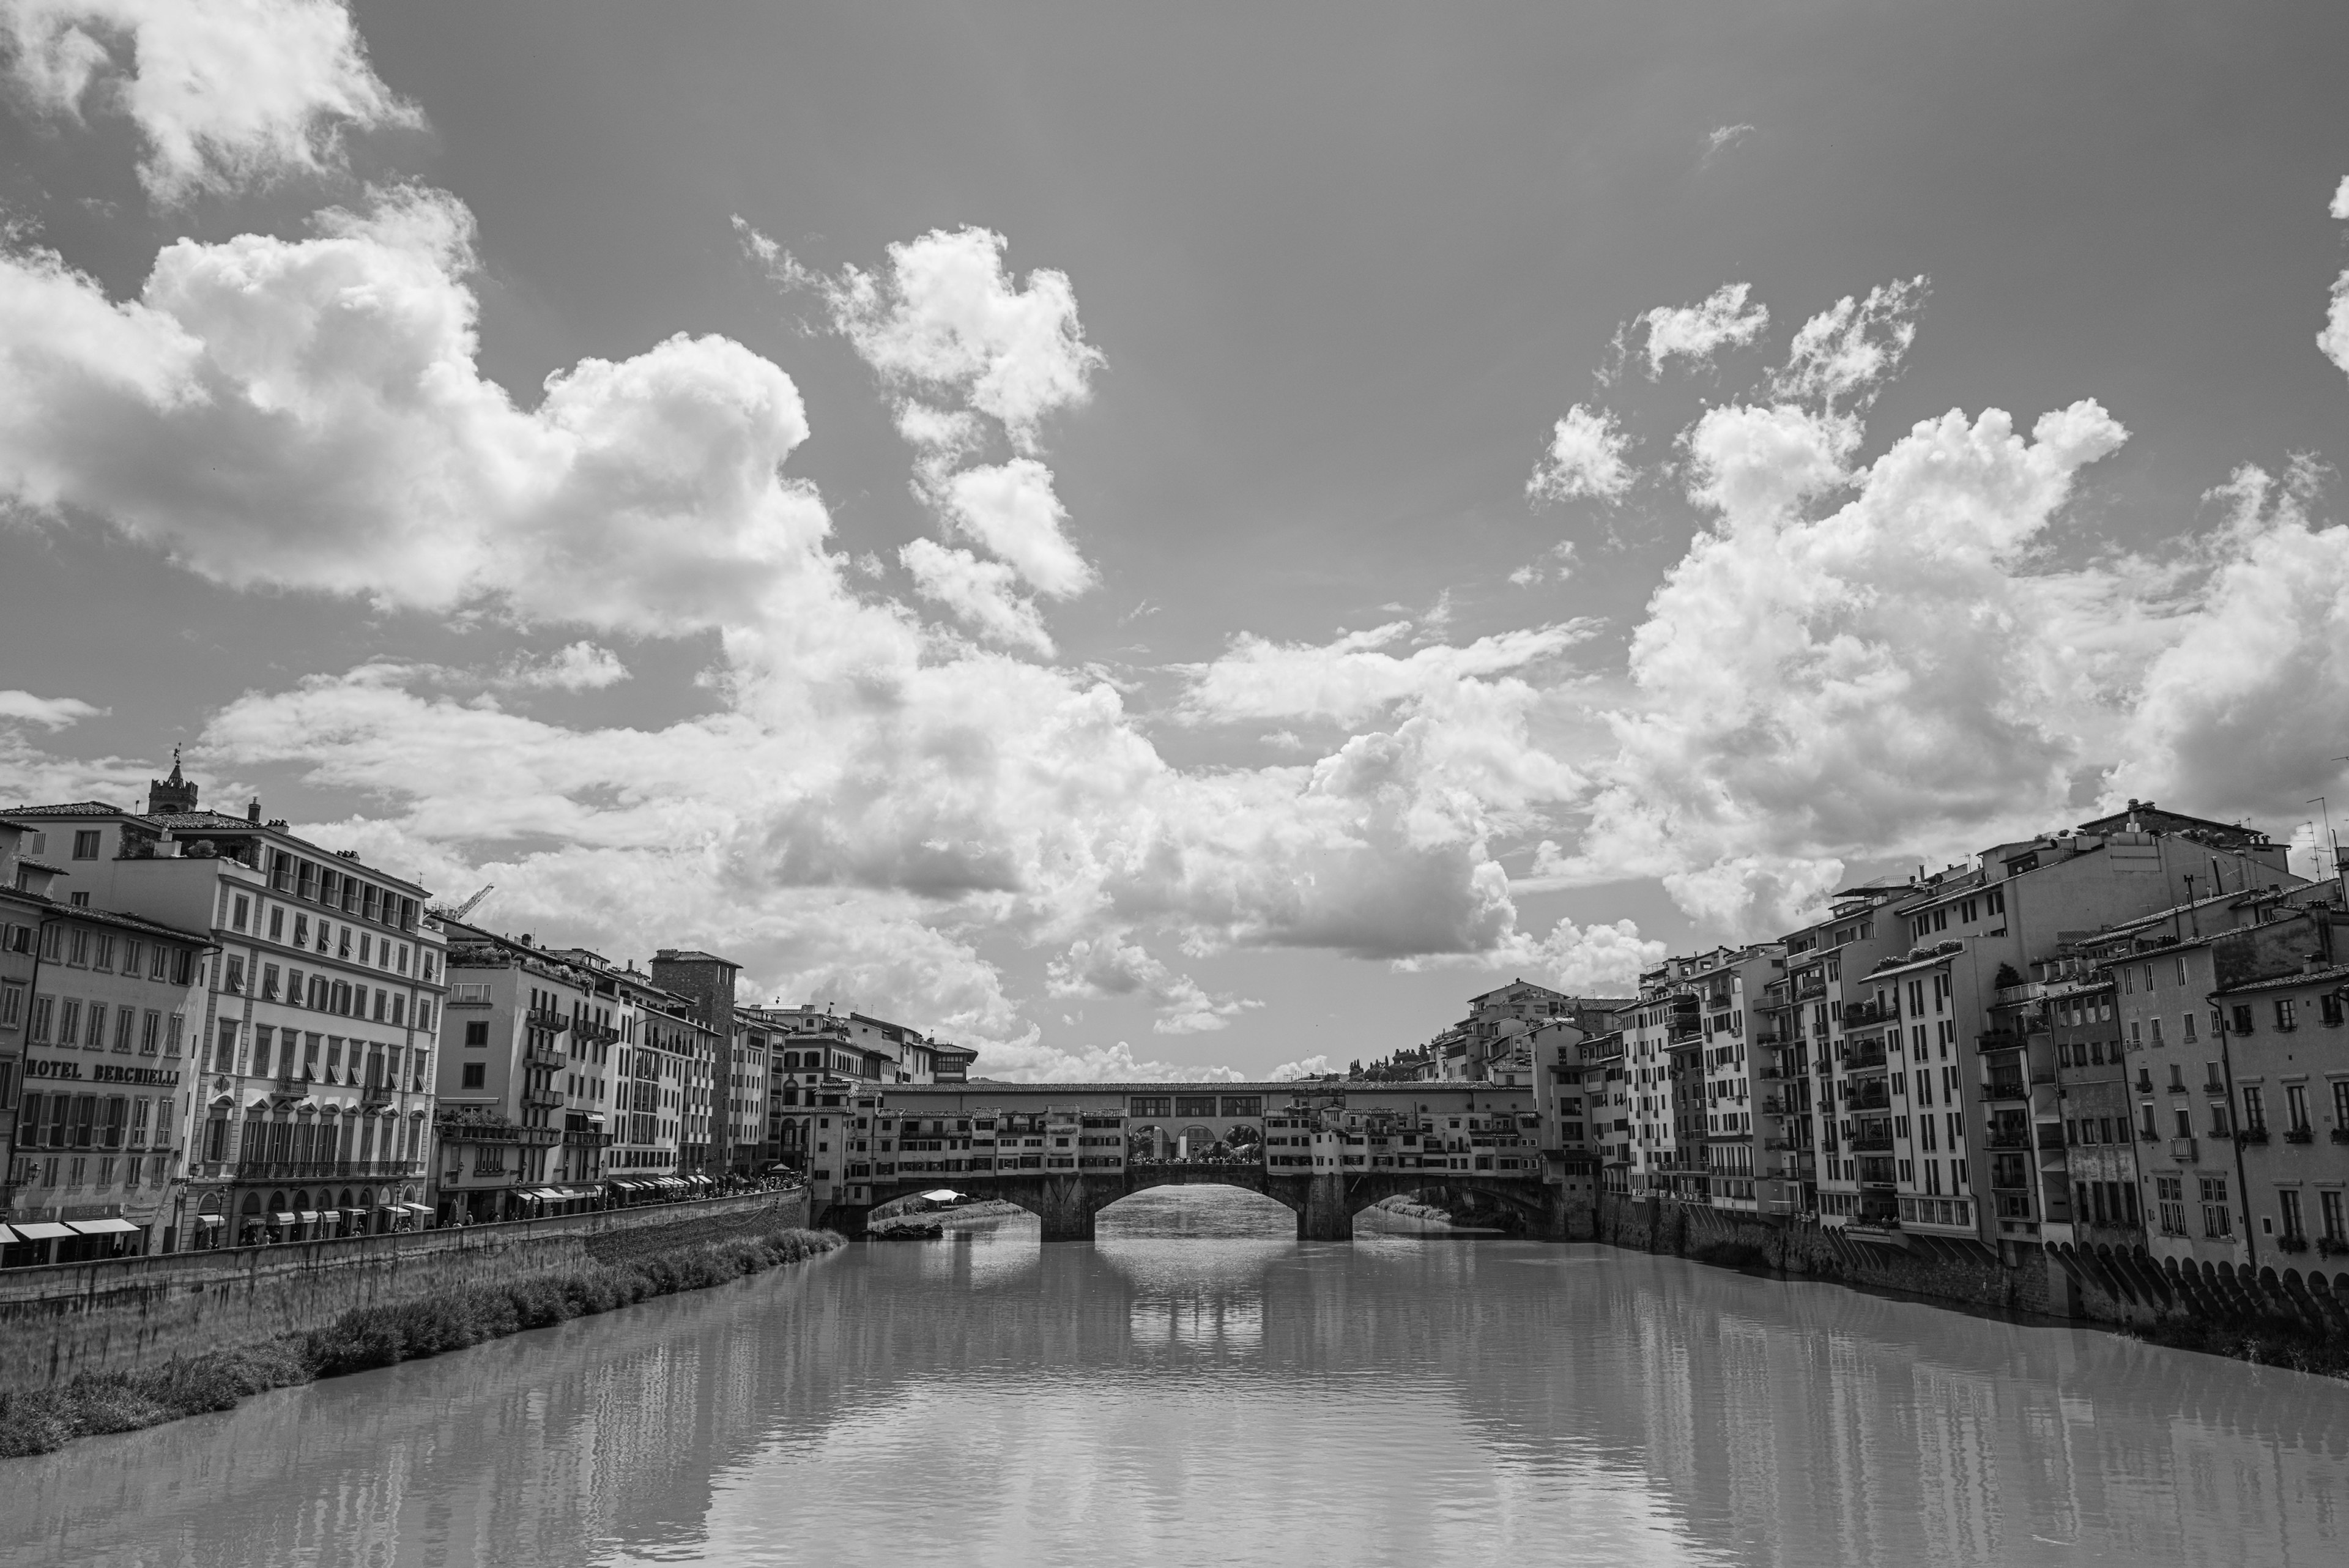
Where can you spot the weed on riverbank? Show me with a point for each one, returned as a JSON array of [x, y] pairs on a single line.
[[37, 1421], [2265, 1342]]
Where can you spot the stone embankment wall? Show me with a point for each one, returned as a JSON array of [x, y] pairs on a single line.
[[2101, 1286], [139, 1311]]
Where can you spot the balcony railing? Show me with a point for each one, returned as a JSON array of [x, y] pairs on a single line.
[[2181, 1149], [324, 1169], [2251, 1135], [2005, 1089], [1865, 1058], [546, 1018], [2300, 1135], [2008, 1137], [542, 1100], [545, 1056]]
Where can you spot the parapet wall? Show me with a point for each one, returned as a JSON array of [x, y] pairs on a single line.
[[135, 1312]]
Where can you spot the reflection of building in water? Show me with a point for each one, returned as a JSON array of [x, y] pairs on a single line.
[[1199, 1322]]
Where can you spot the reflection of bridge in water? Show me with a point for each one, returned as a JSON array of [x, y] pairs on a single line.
[[1066, 1151]]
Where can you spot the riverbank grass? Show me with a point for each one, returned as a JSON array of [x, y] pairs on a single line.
[[40, 1420]]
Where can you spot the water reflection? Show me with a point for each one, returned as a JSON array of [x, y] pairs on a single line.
[[1167, 1395]]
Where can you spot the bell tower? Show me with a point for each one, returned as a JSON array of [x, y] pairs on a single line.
[[172, 796]]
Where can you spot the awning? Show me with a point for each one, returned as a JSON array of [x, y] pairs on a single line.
[[103, 1227], [43, 1231], [416, 1208], [287, 1218], [941, 1195], [212, 1220], [309, 1217], [6, 1235]]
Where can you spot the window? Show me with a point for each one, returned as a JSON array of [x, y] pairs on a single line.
[[12, 1006], [235, 983], [150, 1033], [2242, 1019], [241, 911], [269, 982], [2341, 1104], [126, 1024], [2295, 1100], [2329, 1205], [2284, 1014], [2255, 1113], [86, 844], [2188, 1024], [2288, 1207], [477, 1031], [2215, 1219], [42, 1009], [276, 924]]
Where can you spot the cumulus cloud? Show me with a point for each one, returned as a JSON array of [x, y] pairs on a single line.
[[967, 351], [1009, 510], [982, 594], [946, 318], [1309, 1067], [580, 667], [1109, 965], [1723, 319], [1846, 352], [1585, 457], [1895, 669], [311, 413], [2335, 338], [49, 712], [1353, 676], [223, 92]]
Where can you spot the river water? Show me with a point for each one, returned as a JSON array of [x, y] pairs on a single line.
[[1195, 1387]]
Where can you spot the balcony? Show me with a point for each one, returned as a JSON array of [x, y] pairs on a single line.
[[323, 1170], [546, 1018], [2339, 1135], [1867, 1058], [541, 1100], [1857, 1015], [2013, 1137], [1871, 1142], [1874, 1096], [545, 1056], [2300, 1135], [1999, 1089], [2291, 1243], [2181, 1149], [2251, 1135], [2051, 1139]]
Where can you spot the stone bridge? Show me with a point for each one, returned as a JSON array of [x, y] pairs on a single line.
[[1067, 1203], [1065, 1152]]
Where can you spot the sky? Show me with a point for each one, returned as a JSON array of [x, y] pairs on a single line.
[[1181, 541]]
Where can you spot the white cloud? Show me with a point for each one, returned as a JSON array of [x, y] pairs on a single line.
[[1893, 671], [49, 712], [980, 594], [1353, 676], [224, 92], [1723, 319], [1585, 457], [2243, 713], [1310, 1067], [946, 316], [2335, 338], [1009, 510], [1848, 350], [1117, 1064], [580, 667], [310, 413], [1723, 137], [1109, 965]]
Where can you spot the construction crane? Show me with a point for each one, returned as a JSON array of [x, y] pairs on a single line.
[[465, 908]]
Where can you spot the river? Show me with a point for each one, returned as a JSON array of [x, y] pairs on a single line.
[[1195, 1387]]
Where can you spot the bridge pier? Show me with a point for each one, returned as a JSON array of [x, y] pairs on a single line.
[[1067, 1210], [1329, 1213]]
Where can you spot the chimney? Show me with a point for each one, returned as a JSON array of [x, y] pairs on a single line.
[[253, 810]]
